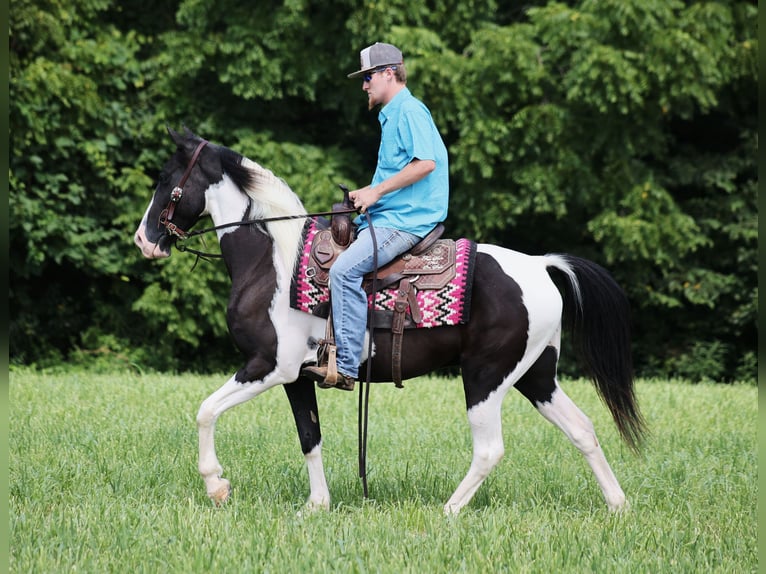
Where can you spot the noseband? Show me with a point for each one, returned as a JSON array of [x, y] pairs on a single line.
[[175, 196]]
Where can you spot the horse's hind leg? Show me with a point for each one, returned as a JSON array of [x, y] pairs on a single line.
[[303, 401], [539, 385], [488, 450], [231, 394]]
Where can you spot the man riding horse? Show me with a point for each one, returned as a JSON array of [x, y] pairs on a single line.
[[406, 199]]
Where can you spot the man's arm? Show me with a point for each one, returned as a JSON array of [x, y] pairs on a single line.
[[414, 171]]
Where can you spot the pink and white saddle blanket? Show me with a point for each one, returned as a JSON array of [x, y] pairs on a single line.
[[440, 281]]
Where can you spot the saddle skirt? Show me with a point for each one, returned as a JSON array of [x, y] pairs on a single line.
[[436, 289]]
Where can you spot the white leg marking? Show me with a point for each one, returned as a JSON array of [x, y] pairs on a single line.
[[488, 450], [319, 497], [578, 428], [229, 395]]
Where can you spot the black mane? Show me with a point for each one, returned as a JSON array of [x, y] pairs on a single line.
[[231, 163]]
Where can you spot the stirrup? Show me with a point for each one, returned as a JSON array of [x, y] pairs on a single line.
[[327, 354], [332, 365], [324, 347], [327, 345]]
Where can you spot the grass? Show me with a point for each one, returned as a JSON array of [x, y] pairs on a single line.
[[103, 479]]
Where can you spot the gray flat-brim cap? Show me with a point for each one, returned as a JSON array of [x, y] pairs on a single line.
[[376, 56]]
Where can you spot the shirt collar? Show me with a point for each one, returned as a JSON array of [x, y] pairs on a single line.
[[393, 105]]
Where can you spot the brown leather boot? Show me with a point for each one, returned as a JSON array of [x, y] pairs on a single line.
[[344, 382], [325, 380], [317, 374]]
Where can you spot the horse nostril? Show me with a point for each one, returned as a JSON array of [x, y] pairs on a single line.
[[138, 238]]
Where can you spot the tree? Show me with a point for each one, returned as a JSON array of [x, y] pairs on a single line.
[[622, 131], [77, 130]]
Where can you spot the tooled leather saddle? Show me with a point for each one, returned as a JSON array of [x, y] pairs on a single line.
[[429, 265]]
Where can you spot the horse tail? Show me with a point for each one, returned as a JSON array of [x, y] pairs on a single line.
[[597, 316]]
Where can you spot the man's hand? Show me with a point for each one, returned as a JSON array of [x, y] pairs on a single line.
[[364, 198]]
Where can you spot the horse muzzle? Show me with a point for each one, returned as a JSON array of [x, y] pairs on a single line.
[[148, 249]]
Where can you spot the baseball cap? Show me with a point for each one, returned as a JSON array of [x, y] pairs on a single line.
[[378, 55]]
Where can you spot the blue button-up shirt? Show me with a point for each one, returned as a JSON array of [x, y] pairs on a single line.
[[408, 132]]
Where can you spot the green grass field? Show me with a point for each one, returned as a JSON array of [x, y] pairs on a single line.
[[103, 479]]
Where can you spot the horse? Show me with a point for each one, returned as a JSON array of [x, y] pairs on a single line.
[[511, 340]]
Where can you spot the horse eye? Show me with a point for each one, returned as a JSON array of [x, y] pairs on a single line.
[[164, 177]]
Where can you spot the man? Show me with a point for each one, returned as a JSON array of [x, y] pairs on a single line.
[[406, 199]]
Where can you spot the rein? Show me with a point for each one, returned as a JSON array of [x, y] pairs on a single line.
[[245, 222], [166, 217], [364, 389]]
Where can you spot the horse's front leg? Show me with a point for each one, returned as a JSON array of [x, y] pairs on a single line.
[[231, 394], [303, 401]]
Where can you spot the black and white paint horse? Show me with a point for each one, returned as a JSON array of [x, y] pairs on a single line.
[[511, 340]]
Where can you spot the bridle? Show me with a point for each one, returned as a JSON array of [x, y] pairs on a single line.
[[175, 196]]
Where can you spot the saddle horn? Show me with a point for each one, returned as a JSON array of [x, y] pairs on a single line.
[[341, 225]]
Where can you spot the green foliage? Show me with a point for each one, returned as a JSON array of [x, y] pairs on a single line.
[[647, 224], [619, 130], [312, 172], [703, 362], [76, 124]]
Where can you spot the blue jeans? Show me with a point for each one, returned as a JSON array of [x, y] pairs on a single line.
[[349, 301]]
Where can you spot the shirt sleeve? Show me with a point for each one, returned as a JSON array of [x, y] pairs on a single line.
[[416, 134]]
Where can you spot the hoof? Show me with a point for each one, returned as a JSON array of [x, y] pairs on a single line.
[[317, 505], [619, 508], [220, 496]]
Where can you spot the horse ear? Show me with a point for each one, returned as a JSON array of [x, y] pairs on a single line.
[[189, 133], [176, 137]]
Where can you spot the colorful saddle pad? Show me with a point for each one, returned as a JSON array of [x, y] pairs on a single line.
[[449, 305]]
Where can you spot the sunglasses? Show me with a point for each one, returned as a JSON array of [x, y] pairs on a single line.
[[368, 76]]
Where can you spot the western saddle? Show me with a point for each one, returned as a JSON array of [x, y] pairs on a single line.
[[430, 264]]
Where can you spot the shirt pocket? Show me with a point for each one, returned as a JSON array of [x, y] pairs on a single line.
[[392, 156]]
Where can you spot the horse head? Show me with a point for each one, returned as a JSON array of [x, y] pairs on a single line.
[[179, 199]]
